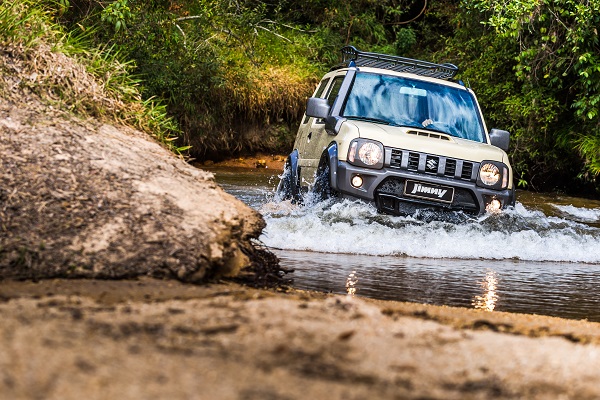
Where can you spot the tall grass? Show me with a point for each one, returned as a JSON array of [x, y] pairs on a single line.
[[69, 71], [19, 22]]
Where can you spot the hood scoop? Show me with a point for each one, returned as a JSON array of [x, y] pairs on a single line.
[[432, 135]]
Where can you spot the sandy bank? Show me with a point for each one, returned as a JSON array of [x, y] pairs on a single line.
[[257, 161], [155, 339]]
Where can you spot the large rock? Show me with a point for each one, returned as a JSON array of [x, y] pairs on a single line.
[[85, 199]]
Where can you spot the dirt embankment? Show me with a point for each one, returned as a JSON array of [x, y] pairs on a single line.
[[274, 161], [151, 339], [86, 199]]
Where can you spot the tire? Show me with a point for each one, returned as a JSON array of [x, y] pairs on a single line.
[[513, 198], [322, 187], [288, 188]]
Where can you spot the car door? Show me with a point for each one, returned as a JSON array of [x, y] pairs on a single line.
[[307, 122], [316, 139]]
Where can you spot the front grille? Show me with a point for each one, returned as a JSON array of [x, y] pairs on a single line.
[[413, 162], [390, 198], [396, 160], [433, 164], [450, 169], [467, 170]]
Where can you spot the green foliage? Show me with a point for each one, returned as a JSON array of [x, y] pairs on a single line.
[[21, 22], [558, 64], [106, 88], [406, 38], [226, 70], [235, 74], [116, 13]]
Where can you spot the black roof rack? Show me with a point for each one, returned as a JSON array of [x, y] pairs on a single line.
[[352, 57]]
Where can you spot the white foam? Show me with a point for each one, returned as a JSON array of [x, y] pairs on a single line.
[[580, 213], [357, 228]]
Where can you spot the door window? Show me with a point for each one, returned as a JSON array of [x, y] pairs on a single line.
[[334, 89]]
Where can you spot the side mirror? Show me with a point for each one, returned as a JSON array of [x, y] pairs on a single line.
[[500, 138], [317, 108]]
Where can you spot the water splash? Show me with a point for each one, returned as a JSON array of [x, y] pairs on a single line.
[[579, 213], [354, 227], [560, 233]]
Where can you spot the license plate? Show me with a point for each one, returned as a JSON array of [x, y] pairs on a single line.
[[428, 191]]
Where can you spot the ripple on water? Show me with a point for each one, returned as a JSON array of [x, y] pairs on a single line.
[[579, 213]]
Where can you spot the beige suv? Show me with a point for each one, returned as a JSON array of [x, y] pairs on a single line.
[[402, 134]]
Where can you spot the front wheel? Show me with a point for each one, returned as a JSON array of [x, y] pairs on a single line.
[[288, 188], [322, 187], [513, 198]]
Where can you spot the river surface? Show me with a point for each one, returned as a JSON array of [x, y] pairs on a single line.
[[542, 257]]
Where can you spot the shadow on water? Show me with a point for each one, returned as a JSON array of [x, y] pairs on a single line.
[[542, 257]]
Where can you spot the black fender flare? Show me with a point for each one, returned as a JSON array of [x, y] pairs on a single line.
[[332, 151], [294, 177], [330, 156], [293, 159], [513, 197]]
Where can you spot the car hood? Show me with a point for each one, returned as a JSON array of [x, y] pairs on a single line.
[[431, 142]]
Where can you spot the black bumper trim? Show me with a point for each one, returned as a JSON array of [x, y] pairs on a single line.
[[374, 179]]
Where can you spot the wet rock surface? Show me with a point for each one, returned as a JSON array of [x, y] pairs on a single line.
[[156, 339], [79, 198]]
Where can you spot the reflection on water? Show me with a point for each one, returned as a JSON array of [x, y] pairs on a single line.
[[487, 301], [351, 282], [542, 257], [558, 289]]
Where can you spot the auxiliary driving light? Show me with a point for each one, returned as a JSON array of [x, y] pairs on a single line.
[[357, 181], [493, 206]]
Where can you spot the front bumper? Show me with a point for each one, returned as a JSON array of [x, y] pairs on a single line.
[[385, 187]]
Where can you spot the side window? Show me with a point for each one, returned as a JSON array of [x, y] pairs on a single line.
[[334, 89], [318, 93], [321, 88]]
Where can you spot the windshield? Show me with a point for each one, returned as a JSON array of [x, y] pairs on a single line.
[[410, 102]]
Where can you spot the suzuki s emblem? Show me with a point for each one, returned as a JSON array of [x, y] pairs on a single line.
[[432, 164]]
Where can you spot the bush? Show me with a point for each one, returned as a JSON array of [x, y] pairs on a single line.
[[69, 72]]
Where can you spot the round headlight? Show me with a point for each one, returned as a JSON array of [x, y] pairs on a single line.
[[489, 174], [370, 154]]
